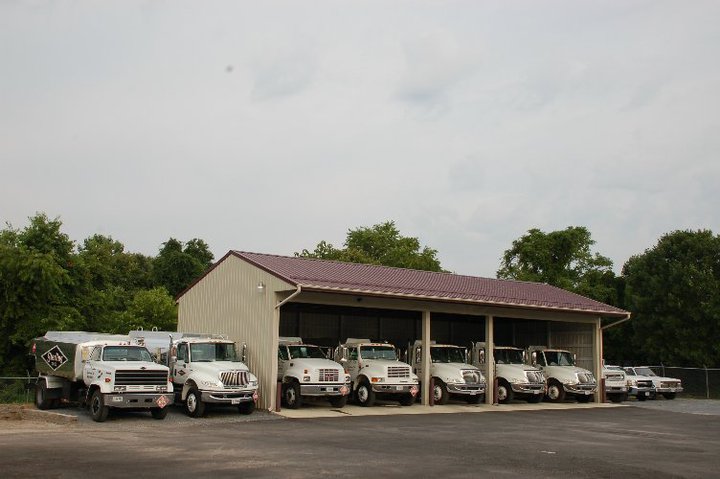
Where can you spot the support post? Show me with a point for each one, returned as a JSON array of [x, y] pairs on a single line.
[[597, 362], [490, 389], [426, 363]]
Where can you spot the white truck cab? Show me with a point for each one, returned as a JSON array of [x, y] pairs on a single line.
[[375, 372], [616, 388], [563, 376], [205, 369], [515, 378], [451, 373], [304, 370]]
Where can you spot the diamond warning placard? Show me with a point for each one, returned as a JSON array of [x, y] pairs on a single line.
[[54, 358]]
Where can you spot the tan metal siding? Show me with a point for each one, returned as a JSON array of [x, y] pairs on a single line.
[[227, 301], [577, 338]]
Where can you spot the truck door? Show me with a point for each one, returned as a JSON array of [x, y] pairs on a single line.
[[417, 360], [90, 369], [283, 360], [351, 363], [181, 368]]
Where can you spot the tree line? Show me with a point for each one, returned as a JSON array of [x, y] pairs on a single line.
[[50, 282]]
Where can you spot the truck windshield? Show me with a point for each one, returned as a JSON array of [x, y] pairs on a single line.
[[304, 351], [645, 372], [126, 353], [377, 352], [206, 352], [559, 358], [447, 355], [508, 356]]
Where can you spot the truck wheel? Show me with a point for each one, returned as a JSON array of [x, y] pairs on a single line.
[[641, 397], [669, 395], [41, 396], [293, 399], [159, 412], [98, 410], [555, 391], [534, 398], [407, 400], [440, 392], [474, 398], [246, 407], [364, 393], [338, 401], [504, 392], [616, 397], [194, 406]]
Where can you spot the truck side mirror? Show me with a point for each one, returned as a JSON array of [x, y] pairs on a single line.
[[575, 358], [533, 358], [481, 356], [243, 356]]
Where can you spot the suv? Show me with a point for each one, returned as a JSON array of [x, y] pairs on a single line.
[[375, 372], [668, 387], [304, 371]]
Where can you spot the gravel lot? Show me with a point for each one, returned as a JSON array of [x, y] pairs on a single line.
[[709, 407]]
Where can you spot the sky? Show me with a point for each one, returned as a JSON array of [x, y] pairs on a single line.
[[270, 126]]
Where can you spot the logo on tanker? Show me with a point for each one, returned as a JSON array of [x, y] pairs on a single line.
[[54, 358]]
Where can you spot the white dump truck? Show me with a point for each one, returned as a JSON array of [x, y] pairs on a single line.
[[616, 388], [563, 377], [451, 374], [305, 371], [515, 378], [205, 369], [375, 372], [101, 371]]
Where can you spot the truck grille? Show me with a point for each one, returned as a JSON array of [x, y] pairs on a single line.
[[470, 376], [234, 378], [614, 377], [644, 383], [534, 377], [141, 378], [329, 375], [669, 384], [398, 372]]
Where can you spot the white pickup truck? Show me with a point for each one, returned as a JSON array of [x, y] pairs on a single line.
[[304, 371], [668, 387], [563, 376], [375, 372], [452, 375], [515, 378], [616, 388]]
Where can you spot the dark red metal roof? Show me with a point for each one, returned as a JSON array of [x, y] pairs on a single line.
[[317, 274]]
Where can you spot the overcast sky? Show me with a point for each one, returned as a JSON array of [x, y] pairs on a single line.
[[269, 126]]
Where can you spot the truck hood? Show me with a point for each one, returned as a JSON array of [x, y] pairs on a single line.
[[131, 365], [214, 367], [380, 367], [454, 371], [315, 363], [514, 371], [564, 373]]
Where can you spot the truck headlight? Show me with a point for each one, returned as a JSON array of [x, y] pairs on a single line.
[[377, 380], [306, 379], [252, 384]]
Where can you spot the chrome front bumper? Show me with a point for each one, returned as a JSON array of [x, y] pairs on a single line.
[[615, 389], [636, 391], [229, 397], [464, 388], [678, 389], [581, 389], [393, 388], [132, 400], [324, 389], [528, 388]]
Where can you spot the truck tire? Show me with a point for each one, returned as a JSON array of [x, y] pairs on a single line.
[[98, 410], [338, 401], [616, 397], [291, 395], [364, 394], [641, 397], [246, 408], [159, 412], [440, 392], [41, 396], [669, 395], [504, 392], [555, 391], [194, 405]]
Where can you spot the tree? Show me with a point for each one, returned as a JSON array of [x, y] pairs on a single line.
[[563, 259], [175, 268], [153, 308], [381, 244], [673, 291]]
